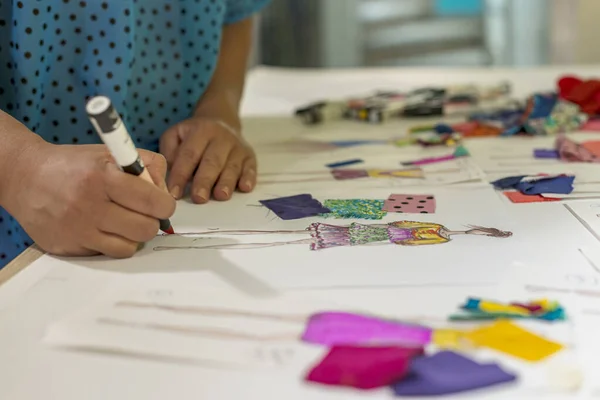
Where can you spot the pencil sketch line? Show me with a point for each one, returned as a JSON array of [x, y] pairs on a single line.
[[582, 221], [211, 333], [546, 289], [217, 312], [589, 260]]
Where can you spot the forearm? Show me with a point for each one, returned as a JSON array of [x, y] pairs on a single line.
[[224, 93], [16, 143]]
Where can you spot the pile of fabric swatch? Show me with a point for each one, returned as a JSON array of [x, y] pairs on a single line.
[[367, 352], [572, 106], [477, 309]]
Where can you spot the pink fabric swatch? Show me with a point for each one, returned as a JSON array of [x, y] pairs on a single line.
[[410, 204], [363, 367], [340, 328], [574, 152]]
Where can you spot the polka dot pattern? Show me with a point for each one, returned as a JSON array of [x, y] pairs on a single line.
[[154, 58]]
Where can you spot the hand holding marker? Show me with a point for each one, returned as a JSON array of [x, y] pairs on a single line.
[[114, 134]]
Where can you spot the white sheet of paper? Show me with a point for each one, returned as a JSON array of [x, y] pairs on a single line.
[[175, 322], [266, 256]]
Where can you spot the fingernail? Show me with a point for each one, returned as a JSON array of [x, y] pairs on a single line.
[[176, 192], [248, 184], [226, 191], [203, 194]]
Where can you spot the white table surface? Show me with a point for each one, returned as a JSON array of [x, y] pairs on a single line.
[[43, 293]]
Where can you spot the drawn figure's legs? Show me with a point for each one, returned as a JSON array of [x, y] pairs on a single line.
[[239, 232], [233, 246]]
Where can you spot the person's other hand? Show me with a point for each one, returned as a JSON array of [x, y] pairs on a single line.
[[210, 154], [75, 201]]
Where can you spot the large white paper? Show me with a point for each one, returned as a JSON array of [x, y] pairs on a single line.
[[171, 321]]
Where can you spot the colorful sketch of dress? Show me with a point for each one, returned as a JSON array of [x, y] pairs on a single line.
[[324, 236], [405, 233]]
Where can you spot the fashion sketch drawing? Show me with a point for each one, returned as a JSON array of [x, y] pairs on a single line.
[[324, 236]]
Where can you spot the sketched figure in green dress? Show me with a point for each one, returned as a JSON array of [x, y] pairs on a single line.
[[324, 236]]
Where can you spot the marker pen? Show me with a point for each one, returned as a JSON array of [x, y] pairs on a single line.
[[114, 134]]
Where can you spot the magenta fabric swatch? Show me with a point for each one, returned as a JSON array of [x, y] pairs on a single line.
[[340, 328], [410, 204], [344, 174], [363, 367]]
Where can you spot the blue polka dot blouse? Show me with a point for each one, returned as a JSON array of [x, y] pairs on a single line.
[[153, 58]]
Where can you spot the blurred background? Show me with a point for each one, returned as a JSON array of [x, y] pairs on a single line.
[[371, 33]]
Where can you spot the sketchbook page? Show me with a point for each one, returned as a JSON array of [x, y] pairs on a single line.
[[272, 90], [313, 173], [177, 328], [278, 252], [290, 156]]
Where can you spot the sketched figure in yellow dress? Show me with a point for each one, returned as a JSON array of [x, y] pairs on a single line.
[[324, 236]]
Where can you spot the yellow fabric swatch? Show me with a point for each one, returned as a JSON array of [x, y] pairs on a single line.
[[451, 339], [506, 337]]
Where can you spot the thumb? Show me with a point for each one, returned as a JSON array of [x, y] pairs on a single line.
[[169, 143], [156, 165]]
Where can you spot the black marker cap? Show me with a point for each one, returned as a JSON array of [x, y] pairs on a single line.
[[102, 112]]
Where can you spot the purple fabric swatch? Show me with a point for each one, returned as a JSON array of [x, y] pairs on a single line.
[[339, 328], [446, 373], [363, 367], [295, 207], [546, 153]]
